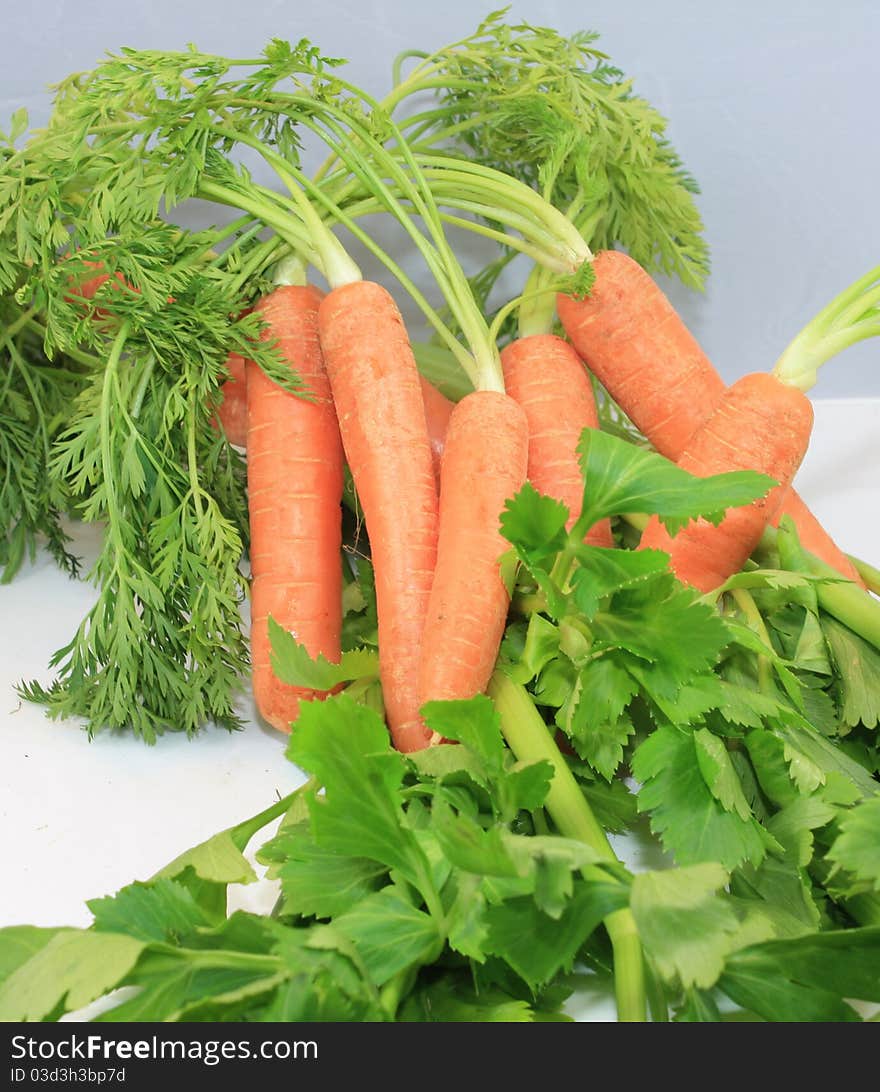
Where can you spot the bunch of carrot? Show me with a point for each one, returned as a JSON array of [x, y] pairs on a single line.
[[442, 602], [431, 477]]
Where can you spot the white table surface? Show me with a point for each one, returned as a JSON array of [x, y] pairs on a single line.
[[80, 819]]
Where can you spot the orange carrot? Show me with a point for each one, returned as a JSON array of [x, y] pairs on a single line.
[[633, 340], [295, 480], [544, 374], [762, 424], [630, 336], [86, 289], [437, 410], [484, 463], [376, 388], [232, 411]]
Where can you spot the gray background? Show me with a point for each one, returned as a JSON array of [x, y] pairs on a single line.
[[772, 106]]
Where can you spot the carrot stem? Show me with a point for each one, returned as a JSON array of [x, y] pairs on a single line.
[[537, 304], [270, 214], [852, 316], [290, 270]]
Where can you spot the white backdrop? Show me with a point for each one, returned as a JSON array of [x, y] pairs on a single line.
[[772, 106]]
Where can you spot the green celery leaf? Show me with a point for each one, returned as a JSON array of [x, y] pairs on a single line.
[[809, 978], [606, 689], [183, 988], [526, 786], [294, 823], [472, 847], [327, 978], [18, 943], [775, 579], [769, 760], [444, 760], [793, 826], [294, 666], [666, 627], [389, 933], [555, 683], [687, 928], [318, 883], [613, 804], [811, 651], [538, 946], [818, 707], [856, 848], [693, 703], [554, 885], [75, 968], [748, 707], [453, 999], [594, 715], [746, 638], [545, 863], [540, 647], [242, 932], [318, 999], [207, 869], [534, 524], [779, 891], [473, 722], [360, 813], [359, 621], [551, 861], [699, 1008], [162, 911], [624, 478], [719, 773], [605, 571], [691, 823], [466, 915], [812, 758], [774, 999], [220, 859], [858, 674]]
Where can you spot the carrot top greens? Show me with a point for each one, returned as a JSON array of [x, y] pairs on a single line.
[[554, 112]]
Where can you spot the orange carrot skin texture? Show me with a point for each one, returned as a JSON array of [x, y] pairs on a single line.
[[86, 289], [485, 462], [437, 412], [232, 413], [545, 375], [759, 424], [295, 480], [233, 410], [632, 339], [381, 413]]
